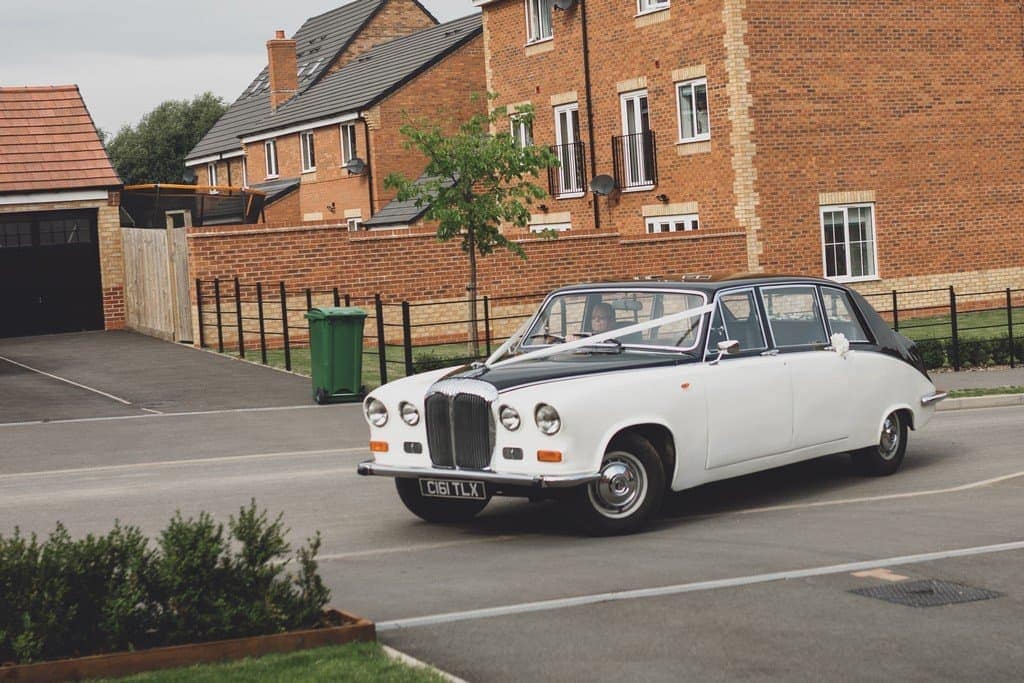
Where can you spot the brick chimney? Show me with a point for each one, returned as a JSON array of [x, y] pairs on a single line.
[[283, 68]]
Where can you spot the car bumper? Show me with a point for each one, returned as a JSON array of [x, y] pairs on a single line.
[[540, 481], [933, 398]]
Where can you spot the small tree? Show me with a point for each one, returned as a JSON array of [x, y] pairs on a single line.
[[475, 181]]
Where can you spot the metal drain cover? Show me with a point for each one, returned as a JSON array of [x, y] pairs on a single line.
[[926, 593]]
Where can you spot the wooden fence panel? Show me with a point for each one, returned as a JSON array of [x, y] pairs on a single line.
[[148, 301]]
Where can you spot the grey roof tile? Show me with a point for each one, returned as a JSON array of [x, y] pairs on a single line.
[[401, 213]]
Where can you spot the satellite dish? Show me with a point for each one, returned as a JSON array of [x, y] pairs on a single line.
[[355, 165], [602, 184], [564, 4]]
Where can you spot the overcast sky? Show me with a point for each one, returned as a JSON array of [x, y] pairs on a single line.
[[128, 56]]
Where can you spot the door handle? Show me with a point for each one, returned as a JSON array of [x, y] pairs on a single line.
[[770, 352]]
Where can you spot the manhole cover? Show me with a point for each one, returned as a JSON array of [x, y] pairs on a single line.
[[926, 593]]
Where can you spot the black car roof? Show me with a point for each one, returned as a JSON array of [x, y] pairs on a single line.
[[709, 283]]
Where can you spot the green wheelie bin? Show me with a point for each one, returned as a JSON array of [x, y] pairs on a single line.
[[336, 353]]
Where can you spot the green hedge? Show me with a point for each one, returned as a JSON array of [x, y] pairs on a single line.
[[974, 353], [69, 598]]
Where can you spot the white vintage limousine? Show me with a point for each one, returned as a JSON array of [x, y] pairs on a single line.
[[614, 393]]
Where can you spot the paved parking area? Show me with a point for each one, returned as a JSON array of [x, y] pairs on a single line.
[[746, 578]]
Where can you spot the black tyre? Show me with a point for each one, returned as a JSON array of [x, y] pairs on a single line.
[[630, 490], [322, 397], [437, 509], [886, 456]]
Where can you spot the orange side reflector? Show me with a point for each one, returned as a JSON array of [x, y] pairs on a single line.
[[549, 456], [379, 446]]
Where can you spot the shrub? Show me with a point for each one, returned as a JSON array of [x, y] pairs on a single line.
[[932, 352], [431, 360], [64, 598]]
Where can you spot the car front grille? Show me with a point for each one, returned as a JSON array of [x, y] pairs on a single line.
[[460, 428]]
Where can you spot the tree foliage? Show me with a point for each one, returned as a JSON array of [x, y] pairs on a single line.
[[154, 150]]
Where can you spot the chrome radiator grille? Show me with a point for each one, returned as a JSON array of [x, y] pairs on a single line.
[[460, 429]]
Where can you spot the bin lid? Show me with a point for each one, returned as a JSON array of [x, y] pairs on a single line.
[[332, 312]]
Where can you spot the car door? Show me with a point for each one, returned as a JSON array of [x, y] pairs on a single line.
[[820, 377], [749, 394]]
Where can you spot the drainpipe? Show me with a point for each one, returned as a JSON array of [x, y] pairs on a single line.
[[369, 166], [590, 109]]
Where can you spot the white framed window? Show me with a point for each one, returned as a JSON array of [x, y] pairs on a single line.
[[211, 176], [651, 5], [245, 172], [569, 151], [637, 151], [538, 20], [692, 104], [355, 224], [849, 249], [544, 227], [522, 131], [308, 151], [270, 154], [680, 223], [348, 142]]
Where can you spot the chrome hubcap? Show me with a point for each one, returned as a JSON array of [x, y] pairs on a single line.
[[890, 441], [622, 485]]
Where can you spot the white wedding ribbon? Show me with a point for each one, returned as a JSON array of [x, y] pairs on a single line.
[[591, 340]]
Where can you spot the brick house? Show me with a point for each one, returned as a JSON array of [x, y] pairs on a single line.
[[877, 142], [318, 128], [61, 259]]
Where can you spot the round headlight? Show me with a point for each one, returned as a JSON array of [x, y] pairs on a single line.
[[410, 415], [376, 412], [547, 419], [509, 418]]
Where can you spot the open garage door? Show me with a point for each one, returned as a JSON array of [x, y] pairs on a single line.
[[49, 273]]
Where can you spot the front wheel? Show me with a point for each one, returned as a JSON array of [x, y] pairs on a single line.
[[630, 489], [437, 509], [886, 456]]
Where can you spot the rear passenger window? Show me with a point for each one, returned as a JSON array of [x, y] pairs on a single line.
[[841, 318], [736, 319], [794, 316]]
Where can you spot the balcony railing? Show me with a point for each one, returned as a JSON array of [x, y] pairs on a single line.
[[569, 178], [636, 161]]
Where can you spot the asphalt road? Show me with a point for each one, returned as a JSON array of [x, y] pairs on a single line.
[[748, 578]]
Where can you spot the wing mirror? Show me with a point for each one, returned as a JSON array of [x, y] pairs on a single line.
[[726, 348]]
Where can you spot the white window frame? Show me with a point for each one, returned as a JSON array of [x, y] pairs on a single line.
[[646, 6], [873, 240], [522, 130], [211, 176], [692, 86], [630, 102], [557, 227], [684, 222], [308, 145], [570, 178], [535, 29], [349, 142], [270, 156], [245, 172], [354, 224]]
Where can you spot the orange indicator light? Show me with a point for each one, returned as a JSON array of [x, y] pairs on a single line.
[[379, 446], [549, 456]]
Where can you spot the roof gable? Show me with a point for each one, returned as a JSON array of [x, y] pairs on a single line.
[[48, 141]]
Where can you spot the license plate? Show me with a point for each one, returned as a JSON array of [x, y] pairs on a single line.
[[453, 488]]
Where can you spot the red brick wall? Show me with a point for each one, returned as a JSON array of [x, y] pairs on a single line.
[[919, 101], [620, 51], [415, 266]]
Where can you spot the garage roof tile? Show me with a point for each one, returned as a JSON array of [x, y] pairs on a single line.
[[48, 141]]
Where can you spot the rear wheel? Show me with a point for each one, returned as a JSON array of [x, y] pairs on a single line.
[[886, 456], [437, 509], [630, 490]]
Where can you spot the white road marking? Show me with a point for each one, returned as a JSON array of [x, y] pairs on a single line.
[[411, 548], [177, 463], [156, 413], [678, 589], [67, 381], [889, 496]]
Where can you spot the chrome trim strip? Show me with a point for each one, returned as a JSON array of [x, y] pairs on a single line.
[[369, 467], [933, 398]]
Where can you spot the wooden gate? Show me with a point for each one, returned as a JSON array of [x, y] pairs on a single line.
[[157, 295]]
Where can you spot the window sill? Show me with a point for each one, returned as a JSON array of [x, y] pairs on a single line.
[[570, 195], [540, 46], [649, 17], [690, 147], [272, 177], [638, 188], [848, 280], [653, 10], [309, 170]]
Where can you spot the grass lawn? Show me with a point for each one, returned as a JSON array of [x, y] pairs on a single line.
[[992, 391], [353, 662], [971, 325]]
